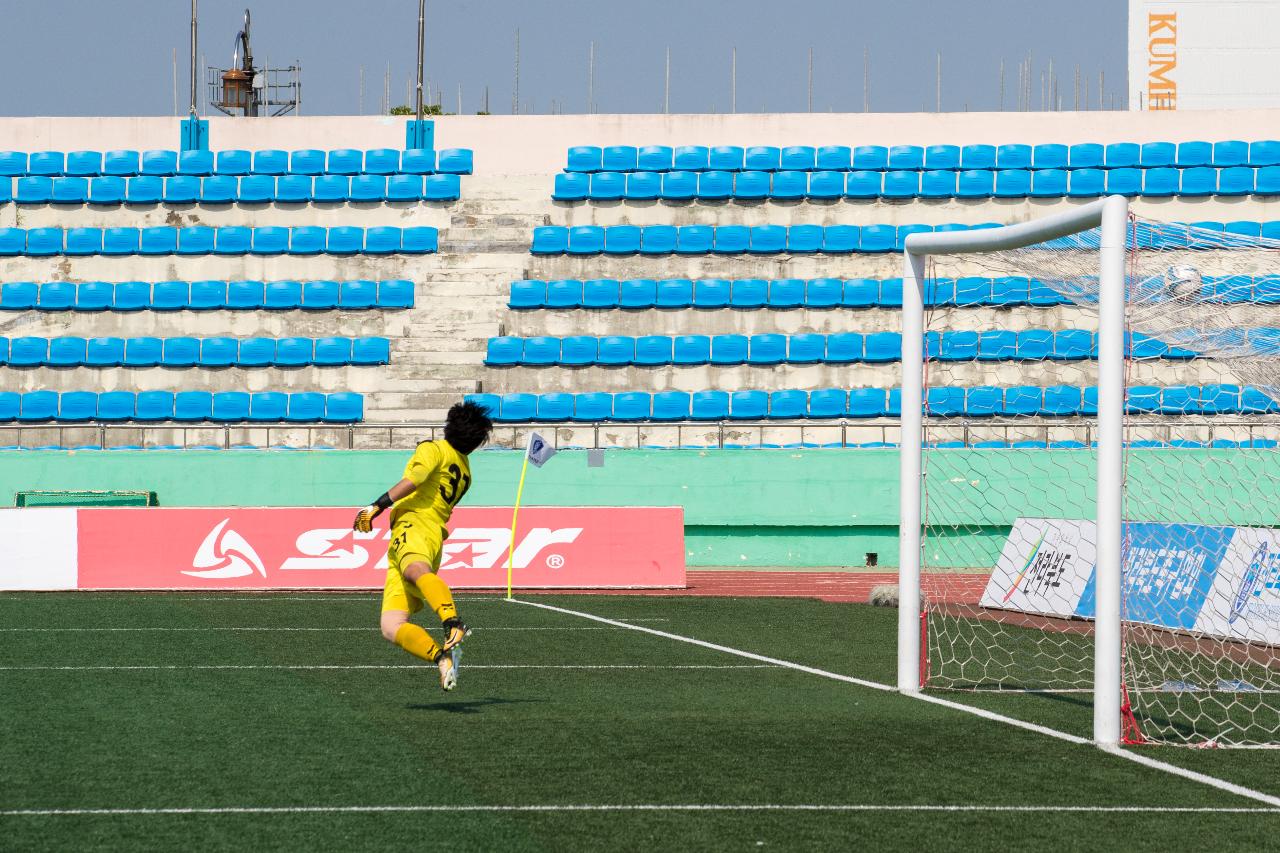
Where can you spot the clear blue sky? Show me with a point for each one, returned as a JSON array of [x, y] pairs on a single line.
[[77, 57]]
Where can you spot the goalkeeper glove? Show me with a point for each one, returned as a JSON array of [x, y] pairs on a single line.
[[365, 517]]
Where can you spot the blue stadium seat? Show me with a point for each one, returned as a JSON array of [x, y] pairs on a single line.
[[345, 240], [845, 348], [679, 185], [270, 240], [958, 346], [786, 293], [556, 406], [1013, 183], [768, 239], [570, 186], [44, 241], [748, 405], [181, 189], [153, 406], [564, 293], [368, 188], [344, 407], [420, 240], [749, 293], [1086, 155], [826, 185], [984, 401], [804, 238], [219, 189], [143, 352], [195, 240], [596, 293], [77, 406], [230, 240], [1122, 155], [653, 350], [823, 292], [218, 352], [877, 238], [306, 162], [382, 240], [331, 351], [880, 347], [1049, 183], [299, 188], [28, 351], [607, 186], [938, 183], [615, 350], [654, 158], [942, 157], [320, 295], [1201, 180], [1125, 181], [1236, 180], [658, 239], [727, 158], [85, 164], [799, 157], [672, 293], [840, 239], [836, 403], [763, 158], [728, 349], [1059, 400], [585, 158], [358, 294], [642, 185], [766, 349], [836, 158], [709, 405], [413, 161], [256, 352], [863, 184], [732, 239], [116, 406], [593, 406], [983, 157], [84, 241], [871, 157], [541, 350], [13, 164], [56, 296], [1194, 154], [67, 351], [631, 406], [714, 185], [617, 158], [1158, 154], [180, 352], [902, 157], [208, 295], [47, 163], [262, 188], [1086, 183], [268, 405], [108, 189], [159, 163], [693, 239], [1256, 401], [345, 161], [120, 241], [395, 293], [104, 352], [671, 406], [901, 183], [622, 239], [1263, 153], [976, 183], [997, 345], [860, 293], [712, 293], [1244, 228], [95, 296], [1072, 344], [282, 295], [411, 187], [575, 350], [1014, 156], [752, 185], [806, 348], [693, 158], [144, 189], [225, 406], [232, 161], [691, 349], [586, 240], [195, 162], [1160, 181], [517, 407], [1034, 344], [789, 185], [637, 293], [1023, 400], [371, 350], [1049, 156]]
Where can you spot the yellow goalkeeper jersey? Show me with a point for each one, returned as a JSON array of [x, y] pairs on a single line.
[[442, 476]]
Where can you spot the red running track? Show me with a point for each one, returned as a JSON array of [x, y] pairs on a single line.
[[826, 586]]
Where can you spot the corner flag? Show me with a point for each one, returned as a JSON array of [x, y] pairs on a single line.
[[537, 452]]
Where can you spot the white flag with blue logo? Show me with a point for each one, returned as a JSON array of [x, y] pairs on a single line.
[[539, 451]]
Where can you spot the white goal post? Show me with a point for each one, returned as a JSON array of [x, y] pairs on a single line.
[[1110, 215]]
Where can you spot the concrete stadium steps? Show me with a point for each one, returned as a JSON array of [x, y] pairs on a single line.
[[364, 380], [189, 435], [288, 214], [223, 267], [206, 324]]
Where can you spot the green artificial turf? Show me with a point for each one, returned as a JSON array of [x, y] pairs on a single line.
[[731, 732]]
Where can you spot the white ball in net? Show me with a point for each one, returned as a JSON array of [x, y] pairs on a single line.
[[1182, 282]]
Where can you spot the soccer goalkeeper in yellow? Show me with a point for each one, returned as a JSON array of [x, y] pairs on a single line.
[[435, 480]]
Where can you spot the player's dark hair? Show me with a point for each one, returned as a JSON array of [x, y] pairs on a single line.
[[467, 426]]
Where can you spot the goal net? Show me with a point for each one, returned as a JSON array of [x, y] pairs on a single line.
[[1013, 553]]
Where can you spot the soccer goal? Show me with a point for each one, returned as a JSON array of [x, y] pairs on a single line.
[[1090, 479]]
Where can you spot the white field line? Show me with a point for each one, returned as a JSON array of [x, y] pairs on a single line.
[[642, 807], [319, 598], [1129, 755], [129, 667], [367, 629]]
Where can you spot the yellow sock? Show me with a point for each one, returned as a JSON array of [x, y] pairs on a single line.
[[437, 595], [414, 640]]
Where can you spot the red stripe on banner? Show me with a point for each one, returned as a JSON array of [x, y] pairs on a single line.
[[315, 548]]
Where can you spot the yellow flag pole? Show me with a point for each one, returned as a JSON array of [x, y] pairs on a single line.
[[515, 512]]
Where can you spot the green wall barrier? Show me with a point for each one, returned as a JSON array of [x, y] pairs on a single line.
[[742, 507]]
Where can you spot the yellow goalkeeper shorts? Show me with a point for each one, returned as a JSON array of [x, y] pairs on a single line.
[[410, 543]]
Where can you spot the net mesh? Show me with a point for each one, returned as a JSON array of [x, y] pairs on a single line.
[[1010, 477]]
